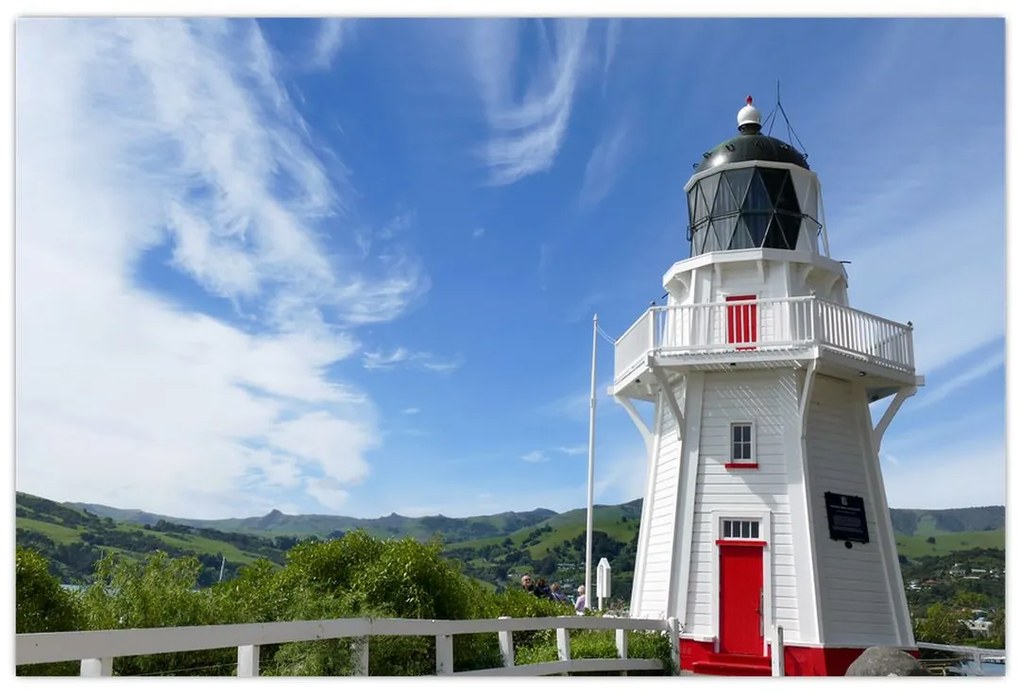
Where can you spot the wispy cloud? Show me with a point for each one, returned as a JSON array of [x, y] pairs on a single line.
[[544, 455], [405, 358], [604, 166], [526, 131], [177, 137], [329, 40], [478, 233], [954, 383], [971, 473], [410, 411], [613, 27]]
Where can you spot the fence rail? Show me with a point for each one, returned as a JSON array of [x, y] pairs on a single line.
[[977, 655], [767, 323], [96, 650]]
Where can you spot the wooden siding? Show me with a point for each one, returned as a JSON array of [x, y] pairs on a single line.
[[660, 513], [769, 400], [856, 606]]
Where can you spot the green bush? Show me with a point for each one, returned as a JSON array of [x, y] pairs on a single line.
[[42, 606], [353, 576]]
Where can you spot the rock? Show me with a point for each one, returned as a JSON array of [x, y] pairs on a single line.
[[885, 661]]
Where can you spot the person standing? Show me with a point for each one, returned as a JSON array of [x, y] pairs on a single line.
[[581, 603], [556, 594]]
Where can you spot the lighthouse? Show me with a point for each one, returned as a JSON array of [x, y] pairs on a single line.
[[764, 507]]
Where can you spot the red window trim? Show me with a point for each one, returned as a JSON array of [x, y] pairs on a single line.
[[741, 465], [741, 542]]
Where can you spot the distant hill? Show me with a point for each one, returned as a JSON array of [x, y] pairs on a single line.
[[930, 522], [492, 548], [393, 525]]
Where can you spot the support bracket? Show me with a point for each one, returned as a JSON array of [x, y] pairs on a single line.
[[805, 394], [660, 377], [643, 428], [901, 396]]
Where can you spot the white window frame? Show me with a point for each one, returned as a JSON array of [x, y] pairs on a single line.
[[752, 444], [764, 518]]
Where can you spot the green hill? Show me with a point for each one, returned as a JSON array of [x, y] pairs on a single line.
[[493, 548]]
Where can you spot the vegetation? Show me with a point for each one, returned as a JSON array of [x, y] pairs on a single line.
[[144, 575], [355, 575]]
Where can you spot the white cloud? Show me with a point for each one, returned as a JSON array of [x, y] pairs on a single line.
[[478, 232], [410, 411], [404, 358], [329, 41], [544, 455], [526, 131], [970, 473], [960, 380], [137, 135], [604, 166], [613, 27]]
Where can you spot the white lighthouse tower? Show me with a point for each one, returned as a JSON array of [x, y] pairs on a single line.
[[764, 505]]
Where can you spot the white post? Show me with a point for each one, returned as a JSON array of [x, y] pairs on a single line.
[[248, 660], [621, 643], [778, 656], [602, 581], [506, 645], [97, 667], [360, 648], [563, 644], [444, 655], [591, 465], [674, 641]]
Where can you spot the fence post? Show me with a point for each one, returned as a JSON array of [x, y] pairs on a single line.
[[621, 646], [651, 329], [977, 663], [248, 660], [778, 655], [97, 667], [360, 649], [563, 644], [444, 655], [506, 644], [674, 641]]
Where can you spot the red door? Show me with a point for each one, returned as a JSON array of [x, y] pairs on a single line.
[[740, 598], [742, 322]]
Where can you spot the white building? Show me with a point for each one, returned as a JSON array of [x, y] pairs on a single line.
[[764, 503]]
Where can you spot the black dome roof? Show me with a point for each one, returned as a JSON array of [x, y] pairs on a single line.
[[751, 146]]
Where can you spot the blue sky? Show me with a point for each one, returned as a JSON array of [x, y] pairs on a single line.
[[349, 266]]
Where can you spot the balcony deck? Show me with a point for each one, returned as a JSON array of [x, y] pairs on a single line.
[[765, 333]]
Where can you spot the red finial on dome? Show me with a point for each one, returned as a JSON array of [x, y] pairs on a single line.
[[749, 99]]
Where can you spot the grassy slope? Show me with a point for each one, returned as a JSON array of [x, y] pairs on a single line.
[[917, 546], [618, 521]]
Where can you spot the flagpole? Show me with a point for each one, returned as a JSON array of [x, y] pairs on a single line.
[[591, 466]]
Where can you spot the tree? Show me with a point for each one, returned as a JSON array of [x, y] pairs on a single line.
[[42, 606], [941, 624]]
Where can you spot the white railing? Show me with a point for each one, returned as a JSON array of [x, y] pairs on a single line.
[[762, 324], [978, 655], [96, 650]]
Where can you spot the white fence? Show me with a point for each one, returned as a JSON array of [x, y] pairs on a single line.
[[978, 655], [731, 326], [96, 650]]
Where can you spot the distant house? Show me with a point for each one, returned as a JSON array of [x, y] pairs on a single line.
[[979, 626]]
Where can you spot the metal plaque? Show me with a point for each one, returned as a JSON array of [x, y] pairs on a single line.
[[846, 517]]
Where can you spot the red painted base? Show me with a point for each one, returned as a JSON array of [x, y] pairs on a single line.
[[701, 657]]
